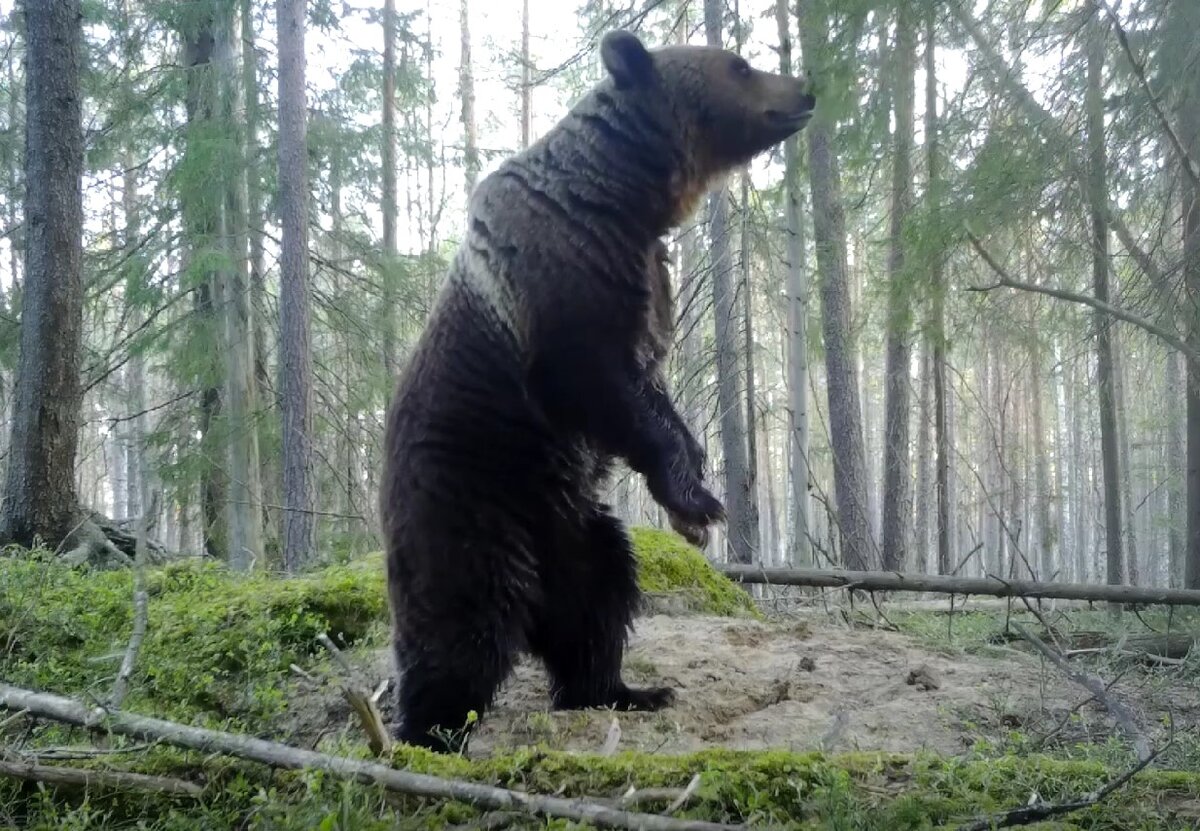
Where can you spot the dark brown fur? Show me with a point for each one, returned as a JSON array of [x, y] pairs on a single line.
[[495, 538]]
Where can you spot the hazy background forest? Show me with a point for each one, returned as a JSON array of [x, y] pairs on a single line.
[[845, 346]]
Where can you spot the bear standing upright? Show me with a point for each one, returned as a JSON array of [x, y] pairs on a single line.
[[496, 542]]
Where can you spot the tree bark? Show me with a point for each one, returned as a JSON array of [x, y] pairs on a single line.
[[466, 81], [1176, 395], [742, 522], [294, 320], [244, 509], [389, 208], [1098, 190], [39, 496], [829, 233], [897, 472], [797, 318]]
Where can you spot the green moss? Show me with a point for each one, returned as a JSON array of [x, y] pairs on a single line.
[[667, 565], [862, 791]]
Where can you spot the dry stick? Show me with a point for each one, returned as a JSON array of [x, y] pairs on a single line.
[[378, 739], [117, 780], [1125, 719], [69, 711], [140, 610], [942, 584]]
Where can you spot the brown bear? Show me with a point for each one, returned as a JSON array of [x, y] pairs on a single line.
[[496, 543]]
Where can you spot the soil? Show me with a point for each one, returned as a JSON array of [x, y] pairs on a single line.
[[791, 685]]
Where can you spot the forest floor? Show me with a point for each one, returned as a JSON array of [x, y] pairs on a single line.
[[802, 683]]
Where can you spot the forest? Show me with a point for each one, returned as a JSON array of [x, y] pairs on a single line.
[[949, 330]]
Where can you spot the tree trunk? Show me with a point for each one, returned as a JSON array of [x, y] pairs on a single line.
[[1185, 17], [244, 512], [797, 318], [897, 473], [742, 523], [526, 77], [1133, 570], [752, 472], [1047, 535], [1176, 393], [924, 508], [389, 208], [829, 233], [941, 427], [466, 81], [1098, 186], [294, 322], [39, 496]]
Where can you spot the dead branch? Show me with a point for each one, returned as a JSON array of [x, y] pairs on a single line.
[[1124, 717], [941, 584], [68, 711], [140, 612], [1038, 811], [114, 779], [1005, 280], [378, 739]]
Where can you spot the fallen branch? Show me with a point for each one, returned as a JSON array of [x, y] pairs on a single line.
[[115, 779], [1124, 718], [68, 711], [1038, 811], [941, 584], [378, 739], [140, 608]]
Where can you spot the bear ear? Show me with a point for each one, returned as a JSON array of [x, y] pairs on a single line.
[[626, 59]]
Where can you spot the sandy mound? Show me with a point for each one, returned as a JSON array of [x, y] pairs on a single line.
[[748, 685]]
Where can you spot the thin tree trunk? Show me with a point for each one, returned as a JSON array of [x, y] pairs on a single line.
[[294, 321], [1097, 182], [797, 335], [389, 208], [40, 496], [924, 508], [466, 81], [1133, 570], [829, 232], [526, 79], [1047, 535], [1176, 392], [752, 472], [897, 473], [245, 485]]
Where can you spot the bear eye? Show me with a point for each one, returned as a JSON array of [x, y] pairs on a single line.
[[741, 68]]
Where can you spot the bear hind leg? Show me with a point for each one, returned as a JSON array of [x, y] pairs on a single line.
[[591, 594]]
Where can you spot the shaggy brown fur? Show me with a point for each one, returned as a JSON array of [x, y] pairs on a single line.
[[496, 541]]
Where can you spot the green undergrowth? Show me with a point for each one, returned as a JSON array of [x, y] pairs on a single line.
[[219, 645], [862, 791]]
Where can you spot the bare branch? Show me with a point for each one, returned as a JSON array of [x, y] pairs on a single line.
[[115, 779]]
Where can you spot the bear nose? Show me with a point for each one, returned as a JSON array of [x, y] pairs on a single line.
[[808, 101]]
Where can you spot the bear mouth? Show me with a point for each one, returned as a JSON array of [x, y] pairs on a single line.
[[791, 120]]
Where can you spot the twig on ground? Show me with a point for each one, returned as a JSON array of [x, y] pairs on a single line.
[[378, 738], [70, 711], [115, 779], [140, 608], [1038, 811], [1124, 717]]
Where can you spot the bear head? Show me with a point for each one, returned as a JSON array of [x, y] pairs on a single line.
[[728, 111]]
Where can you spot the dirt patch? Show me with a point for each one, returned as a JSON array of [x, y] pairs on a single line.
[[749, 685]]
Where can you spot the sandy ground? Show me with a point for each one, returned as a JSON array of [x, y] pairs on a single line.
[[789, 685]]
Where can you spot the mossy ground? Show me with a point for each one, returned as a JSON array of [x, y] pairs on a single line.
[[218, 653]]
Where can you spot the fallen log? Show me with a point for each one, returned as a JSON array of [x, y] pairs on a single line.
[[68, 711], [889, 581], [112, 779]]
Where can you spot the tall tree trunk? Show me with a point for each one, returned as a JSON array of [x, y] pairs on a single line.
[[135, 374], [1176, 393], [829, 232], [294, 321], [897, 473], [264, 398], [245, 505], [16, 242], [39, 495], [466, 82], [390, 249], [941, 426], [924, 507], [1098, 186], [201, 206], [1184, 19], [1133, 571], [1047, 535], [797, 318], [526, 77], [742, 524], [752, 472]]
